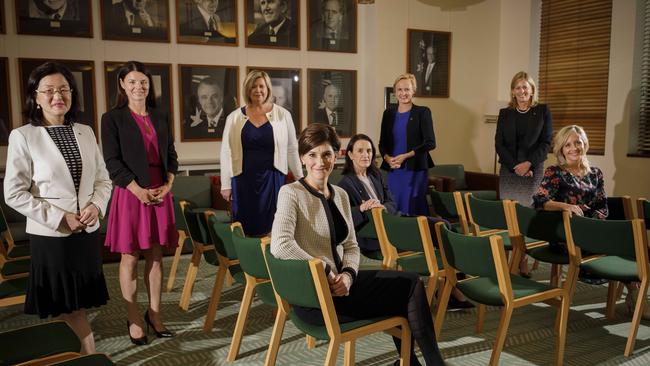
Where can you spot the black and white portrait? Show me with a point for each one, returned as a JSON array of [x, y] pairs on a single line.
[[160, 74], [69, 18], [5, 102], [286, 90], [332, 99], [208, 95], [84, 76], [273, 23], [207, 21], [2, 17], [135, 20], [429, 60], [332, 25]]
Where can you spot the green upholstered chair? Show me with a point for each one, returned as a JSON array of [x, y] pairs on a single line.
[[643, 210], [618, 252], [490, 282], [620, 208], [449, 206], [406, 243], [8, 248], [219, 234], [47, 342], [369, 231], [531, 231], [455, 178], [304, 283], [95, 359], [257, 281], [12, 291], [198, 190], [487, 217], [201, 247]]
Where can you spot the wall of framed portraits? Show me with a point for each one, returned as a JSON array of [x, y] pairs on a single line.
[[480, 43]]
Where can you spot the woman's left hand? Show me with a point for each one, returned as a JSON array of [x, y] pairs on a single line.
[[89, 215], [523, 168], [161, 192], [340, 284]]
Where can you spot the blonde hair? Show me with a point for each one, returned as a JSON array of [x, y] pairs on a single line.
[[523, 75], [409, 77], [561, 138], [251, 78]]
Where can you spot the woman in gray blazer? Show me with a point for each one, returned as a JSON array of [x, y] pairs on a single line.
[[56, 177]]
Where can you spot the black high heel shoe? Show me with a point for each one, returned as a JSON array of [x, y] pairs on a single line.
[[162, 334], [137, 341]]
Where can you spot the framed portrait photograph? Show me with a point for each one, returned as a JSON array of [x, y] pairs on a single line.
[[84, 76], [332, 25], [390, 100], [428, 58], [162, 87], [208, 95], [2, 17], [333, 99], [5, 102], [135, 20], [272, 23], [212, 22], [67, 18], [286, 90]]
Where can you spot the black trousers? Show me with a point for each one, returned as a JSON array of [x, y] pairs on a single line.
[[377, 293]]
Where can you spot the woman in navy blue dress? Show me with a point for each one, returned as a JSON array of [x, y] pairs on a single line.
[[259, 147], [405, 141]]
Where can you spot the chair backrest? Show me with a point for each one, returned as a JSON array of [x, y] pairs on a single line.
[[486, 213], [604, 237], [368, 230], [195, 188], [197, 229], [643, 210], [540, 225], [620, 208], [178, 214], [403, 232], [471, 255], [292, 280], [456, 171], [249, 252], [221, 237], [449, 206]]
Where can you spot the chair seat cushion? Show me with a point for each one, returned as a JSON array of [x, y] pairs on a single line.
[[37, 341], [95, 359], [19, 251], [16, 267], [485, 290], [547, 255], [417, 263], [320, 332], [612, 268], [14, 287]]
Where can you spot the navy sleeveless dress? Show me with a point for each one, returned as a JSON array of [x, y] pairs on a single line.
[[255, 190]]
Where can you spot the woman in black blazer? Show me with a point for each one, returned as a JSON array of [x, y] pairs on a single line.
[[405, 141], [523, 140], [141, 160]]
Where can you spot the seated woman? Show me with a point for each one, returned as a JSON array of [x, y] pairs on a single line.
[[573, 185], [314, 220], [366, 190]]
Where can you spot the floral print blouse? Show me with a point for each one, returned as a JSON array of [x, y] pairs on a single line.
[[587, 192]]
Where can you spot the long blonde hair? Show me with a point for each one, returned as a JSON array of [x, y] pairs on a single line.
[[523, 75], [561, 138]]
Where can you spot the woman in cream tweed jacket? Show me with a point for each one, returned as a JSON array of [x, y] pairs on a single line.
[[314, 220]]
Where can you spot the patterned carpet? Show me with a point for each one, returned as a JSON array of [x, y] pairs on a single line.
[[591, 339]]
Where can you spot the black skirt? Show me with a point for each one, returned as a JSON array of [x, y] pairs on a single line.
[[66, 274]]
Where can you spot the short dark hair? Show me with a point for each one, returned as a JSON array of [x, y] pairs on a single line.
[[34, 115], [316, 134], [348, 166], [121, 99]]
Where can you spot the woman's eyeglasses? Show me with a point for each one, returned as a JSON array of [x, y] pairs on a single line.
[[51, 91]]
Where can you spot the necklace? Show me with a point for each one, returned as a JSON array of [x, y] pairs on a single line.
[[522, 111]]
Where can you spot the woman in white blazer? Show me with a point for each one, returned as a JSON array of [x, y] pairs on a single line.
[[259, 147], [56, 177]]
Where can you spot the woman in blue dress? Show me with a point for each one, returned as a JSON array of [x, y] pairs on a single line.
[[405, 141], [259, 147]]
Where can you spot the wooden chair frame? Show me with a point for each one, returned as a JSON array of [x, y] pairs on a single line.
[[642, 265], [247, 299], [223, 272], [13, 300], [390, 254], [640, 212], [462, 213], [182, 235], [510, 303], [332, 324]]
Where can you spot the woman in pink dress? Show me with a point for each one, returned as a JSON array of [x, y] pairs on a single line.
[[141, 160]]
